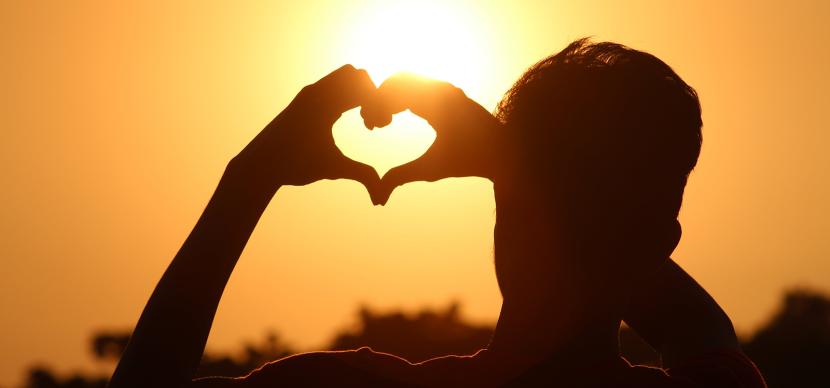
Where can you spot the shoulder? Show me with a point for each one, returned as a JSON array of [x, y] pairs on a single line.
[[360, 367]]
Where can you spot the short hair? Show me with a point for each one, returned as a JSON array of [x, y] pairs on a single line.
[[608, 112]]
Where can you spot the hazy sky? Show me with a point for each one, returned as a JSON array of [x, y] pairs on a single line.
[[117, 121]]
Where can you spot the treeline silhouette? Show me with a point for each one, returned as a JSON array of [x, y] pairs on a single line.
[[791, 350]]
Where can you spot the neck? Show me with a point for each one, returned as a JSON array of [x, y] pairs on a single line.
[[528, 336]]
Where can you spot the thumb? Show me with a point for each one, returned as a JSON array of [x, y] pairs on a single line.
[[421, 169], [365, 174]]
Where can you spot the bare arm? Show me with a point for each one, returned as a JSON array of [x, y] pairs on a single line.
[[296, 148], [677, 317], [168, 341]]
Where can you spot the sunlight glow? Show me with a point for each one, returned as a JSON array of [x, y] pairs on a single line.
[[435, 39], [439, 40]]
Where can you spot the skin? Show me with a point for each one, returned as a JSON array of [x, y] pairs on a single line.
[[297, 148]]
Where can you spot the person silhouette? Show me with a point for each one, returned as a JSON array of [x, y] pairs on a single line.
[[589, 153]]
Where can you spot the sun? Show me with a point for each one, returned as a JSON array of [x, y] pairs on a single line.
[[437, 39], [442, 40]]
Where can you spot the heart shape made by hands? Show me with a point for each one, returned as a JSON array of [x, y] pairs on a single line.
[[404, 140], [466, 148]]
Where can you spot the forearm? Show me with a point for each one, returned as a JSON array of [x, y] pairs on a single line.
[[168, 341], [678, 317]]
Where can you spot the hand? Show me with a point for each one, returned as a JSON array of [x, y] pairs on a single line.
[[466, 132], [297, 147]]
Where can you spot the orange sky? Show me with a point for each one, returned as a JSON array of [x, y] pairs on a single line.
[[117, 121]]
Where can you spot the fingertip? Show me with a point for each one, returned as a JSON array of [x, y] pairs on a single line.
[[375, 200], [374, 117], [367, 121], [384, 121], [381, 200], [376, 195]]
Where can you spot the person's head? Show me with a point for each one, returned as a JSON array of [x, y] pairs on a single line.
[[604, 138]]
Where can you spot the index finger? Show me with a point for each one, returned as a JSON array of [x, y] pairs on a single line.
[[428, 98], [343, 89]]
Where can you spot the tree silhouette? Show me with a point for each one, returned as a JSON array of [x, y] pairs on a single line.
[[253, 356], [793, 349], [429, 333], [109, 345], [417, 337], [41, 377]]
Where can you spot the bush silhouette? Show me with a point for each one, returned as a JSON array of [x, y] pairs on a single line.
[[417, 337], [791, 349]]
